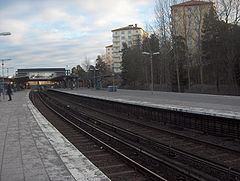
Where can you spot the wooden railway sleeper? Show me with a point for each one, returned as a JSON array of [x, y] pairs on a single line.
[[92, 130]]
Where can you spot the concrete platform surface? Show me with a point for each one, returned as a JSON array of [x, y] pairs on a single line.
[[31, 149], [223, 106]]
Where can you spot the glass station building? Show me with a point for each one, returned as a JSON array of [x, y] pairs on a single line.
[[39, 76]]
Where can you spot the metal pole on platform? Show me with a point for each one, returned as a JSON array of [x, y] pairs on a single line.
[[113, 79], [4, 34], [94, 75], [3, 76], [151, 62], [8, 70]]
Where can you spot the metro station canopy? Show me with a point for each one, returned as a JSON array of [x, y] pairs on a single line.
[[43, 74]]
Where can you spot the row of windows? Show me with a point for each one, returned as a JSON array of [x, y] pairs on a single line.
[[123, 32], [123, 37], [116, 40], [117, 45]]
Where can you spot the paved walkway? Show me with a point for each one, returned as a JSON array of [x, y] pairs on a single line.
[[31, 149], [224, 106]]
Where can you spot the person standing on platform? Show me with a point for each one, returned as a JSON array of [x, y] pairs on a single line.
[[9, 91], [1, 91]]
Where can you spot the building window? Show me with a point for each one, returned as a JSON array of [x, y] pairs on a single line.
[[129, 32], [123, 32], [129, 37], [136, 31], [123, 37]]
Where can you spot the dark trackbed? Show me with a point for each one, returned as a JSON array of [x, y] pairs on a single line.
[[173, 155], [107, 161]]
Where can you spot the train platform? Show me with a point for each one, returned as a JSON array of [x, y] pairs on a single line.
[[215, 105], [31, 149]]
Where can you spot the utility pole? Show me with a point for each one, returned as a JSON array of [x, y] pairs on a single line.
[[3, 75], [94, 75], [8, 70], [4, 34], [151, 62]]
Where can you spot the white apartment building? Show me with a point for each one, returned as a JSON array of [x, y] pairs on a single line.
[[130, 35], [187, 21], [108, 56]]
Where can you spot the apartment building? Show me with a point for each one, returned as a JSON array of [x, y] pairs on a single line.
[[187, 21], [131, 35], [108, 56]]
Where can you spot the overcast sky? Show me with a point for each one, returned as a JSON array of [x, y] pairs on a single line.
[[57, 33]]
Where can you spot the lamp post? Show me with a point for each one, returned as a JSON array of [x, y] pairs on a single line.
[[113, 79], [3, 75], [8, 70], [5, 33], [151, 62], [67, 70], [94, 75]]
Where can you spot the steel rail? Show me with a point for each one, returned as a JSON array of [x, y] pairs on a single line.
[[204, 162], [145, 125], [155, 175]]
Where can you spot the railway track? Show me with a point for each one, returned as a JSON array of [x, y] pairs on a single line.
[[225, 161], [156, 143], [114, 164]]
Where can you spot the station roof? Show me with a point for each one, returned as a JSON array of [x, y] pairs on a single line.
[[40, 74], [64, 77], [40, 69]]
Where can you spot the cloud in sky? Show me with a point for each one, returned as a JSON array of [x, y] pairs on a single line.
[[57, 33]]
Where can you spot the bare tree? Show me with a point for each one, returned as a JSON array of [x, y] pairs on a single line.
[[198, 29], [86, 64], [164, 29], [187, 22], [198, 16], [228, 10]]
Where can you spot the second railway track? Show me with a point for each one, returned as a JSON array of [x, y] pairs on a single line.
[[176, 159], [106, 158]]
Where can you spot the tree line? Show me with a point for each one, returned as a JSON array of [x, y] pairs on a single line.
[[214, 68], [93, 75]]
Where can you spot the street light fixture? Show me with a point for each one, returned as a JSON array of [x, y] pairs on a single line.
[[5, 33], [94, 75], [6, 59], [8, 70], [151, 62], [67, 70]]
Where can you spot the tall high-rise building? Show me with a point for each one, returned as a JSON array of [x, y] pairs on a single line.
[[131, 35], [108, 56], [187, 21]]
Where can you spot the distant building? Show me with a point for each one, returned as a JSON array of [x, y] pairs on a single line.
[[131, 35], [187, 21], [108, 56]]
